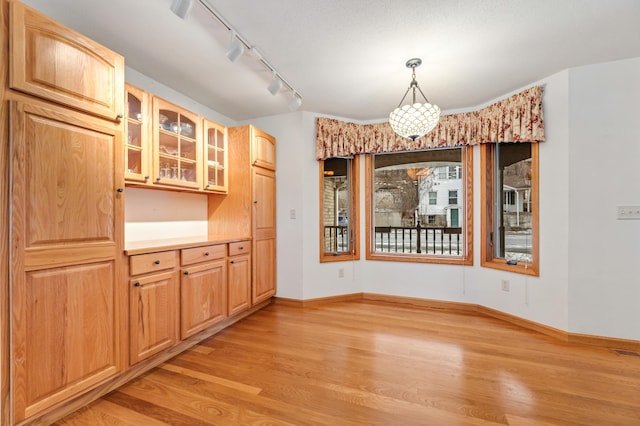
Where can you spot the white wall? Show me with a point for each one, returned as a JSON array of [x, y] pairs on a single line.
[[604, 171], [153, 215]]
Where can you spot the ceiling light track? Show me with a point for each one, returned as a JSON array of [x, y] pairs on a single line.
[[238, 46]]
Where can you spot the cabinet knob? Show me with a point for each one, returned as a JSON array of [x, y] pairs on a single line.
[[241, 248], [255, 202], [232, 261], [119, 117], [137, 284], [146, 178], [186, 272], [158, 179], [206, 253], [120, 189], [157, 262]]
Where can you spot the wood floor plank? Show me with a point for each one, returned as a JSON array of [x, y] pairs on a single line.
[[241, 387], [379, 363]]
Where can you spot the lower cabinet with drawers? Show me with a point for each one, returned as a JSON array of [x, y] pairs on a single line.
[[179, 292]]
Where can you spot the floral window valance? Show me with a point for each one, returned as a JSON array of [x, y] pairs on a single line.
[[515, 119]]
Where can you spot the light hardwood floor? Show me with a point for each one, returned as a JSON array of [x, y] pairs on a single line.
[[374, 363]]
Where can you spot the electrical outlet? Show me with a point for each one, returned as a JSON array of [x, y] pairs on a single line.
[[341, 273], [628, 212], [505, 285]]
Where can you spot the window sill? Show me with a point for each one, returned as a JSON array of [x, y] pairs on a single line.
[[522, 268], [417, 258]]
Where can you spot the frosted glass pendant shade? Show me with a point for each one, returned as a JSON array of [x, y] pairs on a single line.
[[414, 121]]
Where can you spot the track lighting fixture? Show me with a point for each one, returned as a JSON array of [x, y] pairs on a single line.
[[276, 85], [181, 7], [236, 48], [238, 45]]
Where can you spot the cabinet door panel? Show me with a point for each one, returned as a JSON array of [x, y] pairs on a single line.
[[65, 175], [64, 334], [264, 150], [239, 283], [264, 196], [138, 142], [264, 269], [153, 314], [264, 234], [53, 62], [203, 297]]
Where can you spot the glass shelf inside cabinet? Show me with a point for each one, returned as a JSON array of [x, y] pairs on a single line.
[[215, 159], [134, 157]]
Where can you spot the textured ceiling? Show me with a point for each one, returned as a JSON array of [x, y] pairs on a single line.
[[347, 58]]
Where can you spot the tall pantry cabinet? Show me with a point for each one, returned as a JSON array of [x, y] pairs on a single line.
[[249, 209], [63, 102]]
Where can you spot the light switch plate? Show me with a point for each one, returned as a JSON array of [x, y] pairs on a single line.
[[628, 212]]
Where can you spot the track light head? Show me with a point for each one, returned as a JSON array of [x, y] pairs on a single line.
[[275, 86], [181, 7], [236, 48], [295, 102]]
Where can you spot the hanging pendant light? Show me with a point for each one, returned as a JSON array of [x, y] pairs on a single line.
[[414, 120]]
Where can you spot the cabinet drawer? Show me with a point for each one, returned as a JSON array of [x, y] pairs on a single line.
[[144, 263], [203, 254], [241, 247]]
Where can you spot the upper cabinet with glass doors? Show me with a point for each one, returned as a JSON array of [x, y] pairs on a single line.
[[215, 157], [177, 138], [137, 142]]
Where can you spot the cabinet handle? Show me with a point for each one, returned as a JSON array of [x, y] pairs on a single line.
[[119, 118], [146, 178], [120, 189], [232, 261], [137, 284], [158, 179], [157, 262], [186, 272], [206, 253], [255, 202]]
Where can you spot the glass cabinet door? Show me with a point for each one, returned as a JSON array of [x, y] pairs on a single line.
[[215, 162], [136, 129], [176, 155]]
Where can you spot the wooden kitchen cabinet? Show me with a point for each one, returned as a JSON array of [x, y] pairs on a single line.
[[52, 62], [249, 208], [137, 135], [67, 222], [177, 146], [239, 277], [153, 314]]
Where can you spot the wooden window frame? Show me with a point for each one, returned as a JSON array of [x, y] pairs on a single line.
[[354, 213], [487, 258], [466, 259]]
